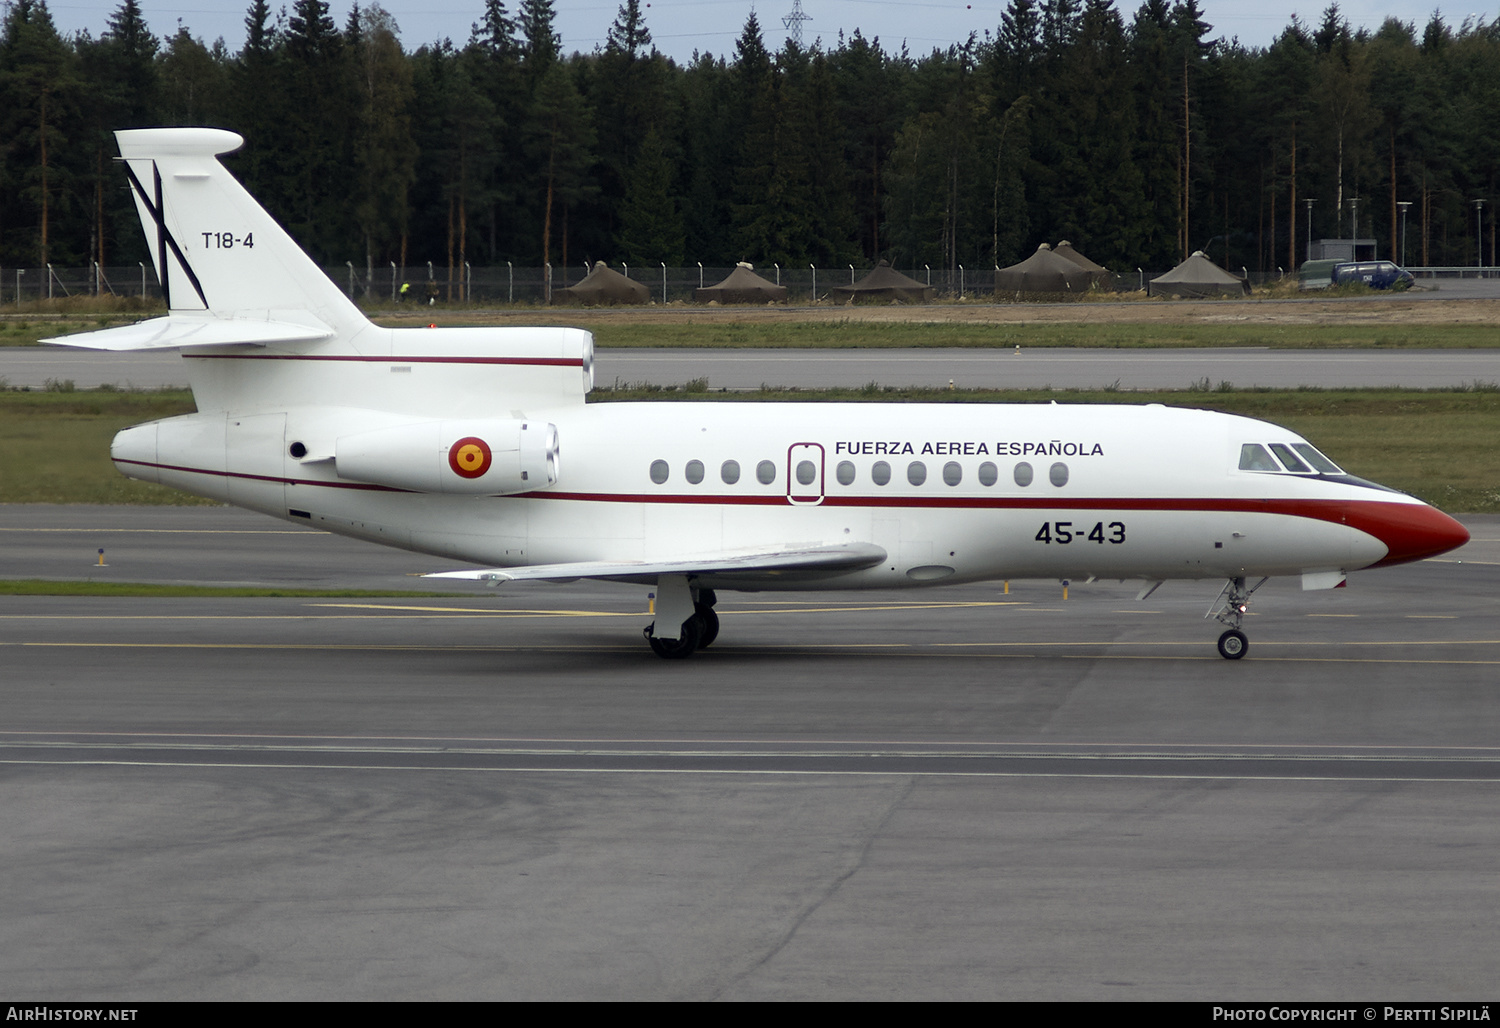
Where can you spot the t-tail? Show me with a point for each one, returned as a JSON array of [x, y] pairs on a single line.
[[262, 328], [228, 272]]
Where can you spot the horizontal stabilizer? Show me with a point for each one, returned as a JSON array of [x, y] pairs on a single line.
[[853, 557], [175, 333]]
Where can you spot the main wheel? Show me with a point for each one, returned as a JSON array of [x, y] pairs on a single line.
[[1233, 645], [708, 625], [676, 649]]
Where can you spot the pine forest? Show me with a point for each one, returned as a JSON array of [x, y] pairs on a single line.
[[1138, 136]]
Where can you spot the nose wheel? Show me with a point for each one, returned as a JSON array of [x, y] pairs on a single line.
[[1229, 610], [1233, 645]]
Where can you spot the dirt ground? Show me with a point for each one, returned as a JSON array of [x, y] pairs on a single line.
[[1383, 310]]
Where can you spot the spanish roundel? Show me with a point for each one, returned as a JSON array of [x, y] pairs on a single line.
[[469, 457]]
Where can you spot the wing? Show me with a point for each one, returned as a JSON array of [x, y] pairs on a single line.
[[811, 561]]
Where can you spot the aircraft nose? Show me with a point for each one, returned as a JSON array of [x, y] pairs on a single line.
[[1414, 532]]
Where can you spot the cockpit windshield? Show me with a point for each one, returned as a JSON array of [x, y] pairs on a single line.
[[1253, 457], [1320, 463], [1298, 458]]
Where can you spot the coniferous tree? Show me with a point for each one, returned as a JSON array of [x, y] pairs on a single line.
[[40, 89], [385, 153], [560, 137], [318, 132], [651, 228]]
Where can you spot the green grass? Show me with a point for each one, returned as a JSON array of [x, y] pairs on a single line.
[[682, 328], [54, 446], [846, 334], [1441, 445], [36, 321], [42, 587]]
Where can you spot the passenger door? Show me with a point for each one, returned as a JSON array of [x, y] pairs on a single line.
[[804, 473]]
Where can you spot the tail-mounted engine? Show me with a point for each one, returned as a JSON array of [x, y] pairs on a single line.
[[474, 457]]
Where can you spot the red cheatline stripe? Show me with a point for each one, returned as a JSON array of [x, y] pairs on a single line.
[[1355, 513], [262, 478], [1337, 511], [551, 362]]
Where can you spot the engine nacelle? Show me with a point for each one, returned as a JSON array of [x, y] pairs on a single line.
[[476, 457]]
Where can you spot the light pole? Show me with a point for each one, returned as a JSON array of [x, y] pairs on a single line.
[[1354, 229], [1403, 204], [1309, 201], [1479, 232]]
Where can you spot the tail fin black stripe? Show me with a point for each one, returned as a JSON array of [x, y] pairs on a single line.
[[163, 236]]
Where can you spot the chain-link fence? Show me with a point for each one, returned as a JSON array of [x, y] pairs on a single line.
[[491, 285]]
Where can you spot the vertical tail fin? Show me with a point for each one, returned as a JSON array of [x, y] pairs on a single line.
[[217, 252]]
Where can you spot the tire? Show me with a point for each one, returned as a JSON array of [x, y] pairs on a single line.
[[708, 625], [1233, 645], [676, 649]]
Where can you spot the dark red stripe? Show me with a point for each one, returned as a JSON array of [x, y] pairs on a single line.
[[1337, 511], [1410, 531], [262, 478]]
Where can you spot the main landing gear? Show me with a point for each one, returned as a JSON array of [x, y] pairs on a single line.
[[1233, 601], [697, 630]]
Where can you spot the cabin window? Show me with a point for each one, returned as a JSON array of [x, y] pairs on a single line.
[[765, 471], [1290, 459], [988, 474], [730, 472], [1058, 473], [806, 472], [1253, 457], [916, 472], [1319, 462], [1023, 474], [953, 473], [845, 473], [694, 471], [880, 474], [659, 471]]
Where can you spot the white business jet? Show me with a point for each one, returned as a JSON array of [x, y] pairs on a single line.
[[477, 444]]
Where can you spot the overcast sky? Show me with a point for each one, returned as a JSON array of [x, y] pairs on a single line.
[[679, 27]]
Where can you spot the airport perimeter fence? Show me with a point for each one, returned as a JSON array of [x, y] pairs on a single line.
[[487, 285]]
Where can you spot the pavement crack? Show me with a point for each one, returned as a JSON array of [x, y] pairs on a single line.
[[832, 889]]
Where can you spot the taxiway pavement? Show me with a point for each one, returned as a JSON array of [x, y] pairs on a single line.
[[942, 793], [738, 370]]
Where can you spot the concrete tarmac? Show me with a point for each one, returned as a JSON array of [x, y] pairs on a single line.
[[738, 370], [944, 793]]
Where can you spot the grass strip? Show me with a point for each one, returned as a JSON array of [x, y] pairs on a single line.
[[860, 334], [824, 329]]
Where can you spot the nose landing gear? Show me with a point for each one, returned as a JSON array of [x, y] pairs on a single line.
[[1229, 609]]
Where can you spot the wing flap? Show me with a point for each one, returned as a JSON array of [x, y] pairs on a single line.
[[849, 557], [175, 333]]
